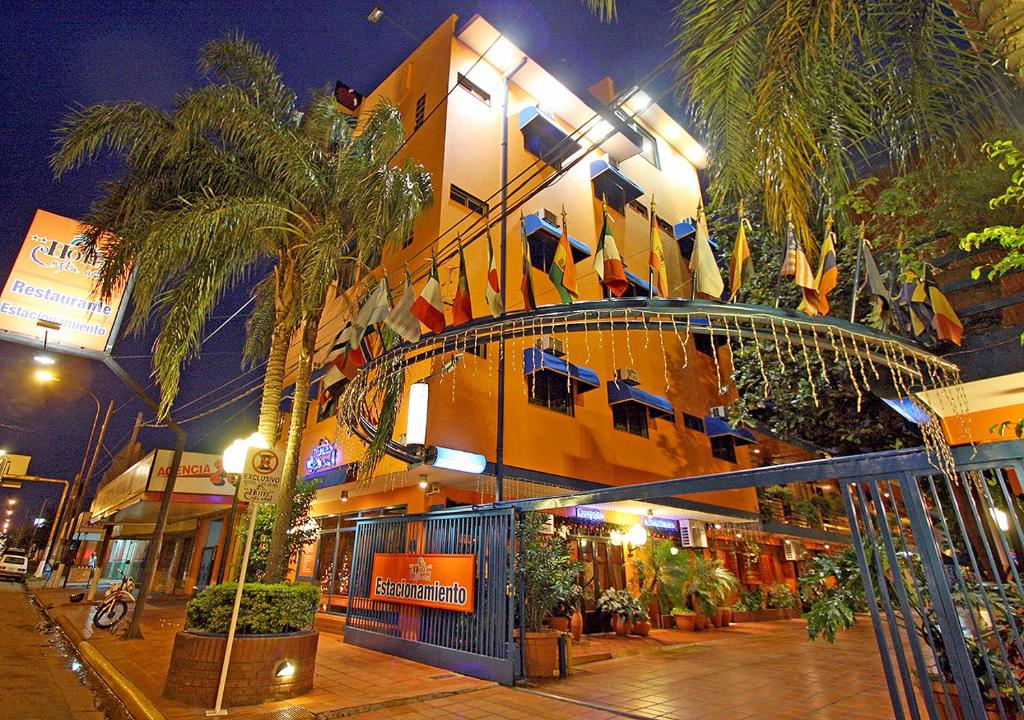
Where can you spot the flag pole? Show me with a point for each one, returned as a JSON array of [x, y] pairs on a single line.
[[782, 266], [693, 273], [856, 273], [604, 219], [650, 256]]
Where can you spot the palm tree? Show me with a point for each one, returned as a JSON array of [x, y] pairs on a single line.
[[236, 179], [794, 98]]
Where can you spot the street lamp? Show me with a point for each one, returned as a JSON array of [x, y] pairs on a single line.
[[233, 463], [77, 494]]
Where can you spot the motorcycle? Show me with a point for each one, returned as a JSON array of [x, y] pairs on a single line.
[[114, 605]]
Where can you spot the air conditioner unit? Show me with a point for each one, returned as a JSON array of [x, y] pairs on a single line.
[[550, 344], [794, 550], [627, 375], [549, 216], [693, 534], [718, 411]]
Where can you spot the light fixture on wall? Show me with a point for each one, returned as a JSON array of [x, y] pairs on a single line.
[[827, 546], [637, 535], [344, 495], [423, 482], [458, 460], [674, 550], [285, 669], [376, 14], [416, 419]]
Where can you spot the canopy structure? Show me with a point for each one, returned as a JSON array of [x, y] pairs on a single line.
[[717, 427], [536, 360], [623, 392]]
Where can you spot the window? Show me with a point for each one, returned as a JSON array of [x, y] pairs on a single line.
[[635, 289], [475, 90], [552, 391], [472, 202], [693, 422], [704, 345], [650, 146], [421, 111], [724, 448], [664, 225], [479, 349], [328, 407], [630, 417], [639, 207]]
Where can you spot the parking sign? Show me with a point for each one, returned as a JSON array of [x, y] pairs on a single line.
[[261, 477]]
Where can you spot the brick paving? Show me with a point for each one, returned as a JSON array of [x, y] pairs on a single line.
[[767, 671]]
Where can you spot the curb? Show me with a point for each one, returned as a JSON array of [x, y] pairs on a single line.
[[138, 705]]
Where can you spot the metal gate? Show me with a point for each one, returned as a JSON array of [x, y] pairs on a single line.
[[477, 643], [941, 555]]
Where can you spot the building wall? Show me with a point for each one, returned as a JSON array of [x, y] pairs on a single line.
[[461, 145]]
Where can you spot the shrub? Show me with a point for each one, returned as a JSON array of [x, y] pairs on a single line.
[[749, 601], [780, 597], [265, 609]]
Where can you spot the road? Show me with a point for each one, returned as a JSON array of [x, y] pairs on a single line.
[[40, 678]]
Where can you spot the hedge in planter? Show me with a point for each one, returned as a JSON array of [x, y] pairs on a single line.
[[265, 609]]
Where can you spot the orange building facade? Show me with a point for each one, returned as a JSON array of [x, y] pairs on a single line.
[[570, 424]]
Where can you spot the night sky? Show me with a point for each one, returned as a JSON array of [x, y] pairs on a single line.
[[60, 54]]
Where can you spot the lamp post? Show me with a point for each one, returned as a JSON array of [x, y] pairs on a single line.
[[234, 463], [65, 518]]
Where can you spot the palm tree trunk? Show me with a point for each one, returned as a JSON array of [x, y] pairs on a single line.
[[284, 299], [277, 557]]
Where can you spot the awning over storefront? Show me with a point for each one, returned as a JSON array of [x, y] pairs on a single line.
[[620, 392], [535, 360], [716, 427]]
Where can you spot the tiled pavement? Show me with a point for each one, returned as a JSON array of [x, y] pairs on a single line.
[[760, 670]]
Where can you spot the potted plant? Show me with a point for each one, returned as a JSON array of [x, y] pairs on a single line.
[[683, 617], [570, 595], [780, 597], [710, 583], [620, 605], [645, 581], [548, 574], [274, 626]]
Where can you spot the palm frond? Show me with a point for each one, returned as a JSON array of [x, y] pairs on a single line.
[[603, 9]]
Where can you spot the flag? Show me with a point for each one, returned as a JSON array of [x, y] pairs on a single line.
[[563, 268], [608, 263], [796, 266], [707, 276], [945, 321], [462, 308], [529, 299], [373, 311], [918, 309], [344, 358], [401, 319], [742, 268], [828, 272], [492, 292], [872, 275], [657, 259], [429, 307]]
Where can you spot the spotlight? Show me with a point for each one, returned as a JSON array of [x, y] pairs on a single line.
[[423, 482], [285, 669], [45, 359], [739, 535], [45, 376], [827, 546], [674, 550], [718, 526], [376, 14], [344, 495]]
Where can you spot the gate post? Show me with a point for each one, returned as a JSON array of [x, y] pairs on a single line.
[[942, 601]]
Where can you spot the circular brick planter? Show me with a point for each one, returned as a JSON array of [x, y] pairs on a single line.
[[196, 659]]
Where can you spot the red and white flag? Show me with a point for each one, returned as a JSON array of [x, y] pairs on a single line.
[[492, 292], [429, 307]]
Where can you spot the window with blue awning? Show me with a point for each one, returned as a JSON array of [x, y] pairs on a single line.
[[613, 186], [543, 137], [543, 237], [622, 392], [536, 360], [716, 427], [638, 287]]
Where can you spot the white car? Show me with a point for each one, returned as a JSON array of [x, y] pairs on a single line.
[[13, 566]]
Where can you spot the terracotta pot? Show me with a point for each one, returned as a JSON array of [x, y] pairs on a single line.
[[701, 622], [559, 623], [726, 617], [642, 628], [576, 624], [684, 622], [540, 652], [716, 619], [622, 625]]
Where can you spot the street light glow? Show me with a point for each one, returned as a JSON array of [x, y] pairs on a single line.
[[44, 376]]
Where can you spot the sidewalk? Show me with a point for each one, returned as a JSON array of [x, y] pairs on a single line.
[[349, 681]]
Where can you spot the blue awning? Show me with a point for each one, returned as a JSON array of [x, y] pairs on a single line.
[[610, 184], [535, 360], [620, 392], [543, 238], [716, 427], [644, 286], [543, 137], [909, 409], [684, 229]]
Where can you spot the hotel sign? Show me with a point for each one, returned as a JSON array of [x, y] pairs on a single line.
[[436, 581], [323, 455], [54, 279]]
